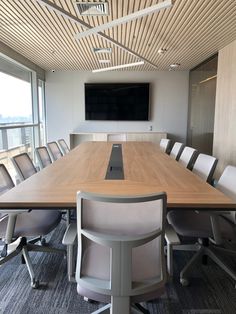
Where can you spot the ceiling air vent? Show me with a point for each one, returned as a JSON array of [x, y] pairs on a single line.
[[92, 8]]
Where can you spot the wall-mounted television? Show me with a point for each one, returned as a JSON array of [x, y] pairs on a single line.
[[117, 101]]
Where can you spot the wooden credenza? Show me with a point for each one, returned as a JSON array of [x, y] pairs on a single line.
[[77, 138]]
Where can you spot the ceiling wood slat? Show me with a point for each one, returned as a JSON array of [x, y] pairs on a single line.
[[191, 31]]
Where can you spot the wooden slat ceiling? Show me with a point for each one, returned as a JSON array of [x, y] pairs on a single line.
[[191, 31]]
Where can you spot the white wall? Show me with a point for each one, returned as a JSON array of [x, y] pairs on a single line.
[[65, 102]]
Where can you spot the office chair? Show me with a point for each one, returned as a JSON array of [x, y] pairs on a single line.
[[54, 150], [165, 145], [43, 156], [176, 150], [204, 167], [64, 147], [16, 225], [188, 157], [24, 166], [214, 229], [120, 260], [116, 137]]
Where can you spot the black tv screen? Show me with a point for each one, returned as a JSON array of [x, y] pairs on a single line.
[[117, 101]]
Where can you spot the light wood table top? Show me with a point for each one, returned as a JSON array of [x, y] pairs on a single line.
[[146, 170]]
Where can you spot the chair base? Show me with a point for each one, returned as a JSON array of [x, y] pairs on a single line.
[[20, 246], [211, 252], [121, 308]]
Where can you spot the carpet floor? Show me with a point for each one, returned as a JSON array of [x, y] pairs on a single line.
[[211, 290]]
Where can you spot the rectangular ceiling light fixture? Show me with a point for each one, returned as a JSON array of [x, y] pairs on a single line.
[[102, 50], [92, 8], [121, 66]]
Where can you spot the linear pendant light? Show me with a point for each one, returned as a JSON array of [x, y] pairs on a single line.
[[121, 66], [59, 10], [125, 19]]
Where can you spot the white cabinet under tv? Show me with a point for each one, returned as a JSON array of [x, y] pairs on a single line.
[[77, 138]]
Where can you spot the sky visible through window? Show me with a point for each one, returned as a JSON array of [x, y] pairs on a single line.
[[15, 99]]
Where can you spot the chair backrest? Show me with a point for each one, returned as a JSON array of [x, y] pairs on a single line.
[[205, 166], [116, 137], [6, 182], [165, 145], [227, 185], [24, 166], [64, 147], [176, 150], [188, 157], [112, 219], [43, 156], [54, 150]]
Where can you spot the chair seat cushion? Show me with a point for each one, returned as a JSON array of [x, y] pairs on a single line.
[[198, 224], [34, 223]]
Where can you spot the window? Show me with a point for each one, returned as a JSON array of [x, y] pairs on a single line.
[[22, 121]]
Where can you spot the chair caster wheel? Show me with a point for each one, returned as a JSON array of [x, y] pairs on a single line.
[[35, 284], [184, 282]]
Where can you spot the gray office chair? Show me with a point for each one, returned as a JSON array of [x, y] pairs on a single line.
[[63, 146], [16, 225], [215, 229], [165, 145], [54, 150], [120, 260], [176, 150], [43, 156], [188, 157], [204, 167], [24, 166]]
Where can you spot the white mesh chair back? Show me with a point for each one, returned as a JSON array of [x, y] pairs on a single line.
[[24, 166], [165, 145], [6, 183], [227, 185], [176, 150], [116, 137], [54, 150], [205, 166], [43, 156], [188, 157], [64, 147], [114, 216]]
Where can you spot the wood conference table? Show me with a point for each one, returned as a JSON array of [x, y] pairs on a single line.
[[146, 170]]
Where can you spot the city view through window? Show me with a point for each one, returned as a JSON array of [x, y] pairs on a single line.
[[21, 112], [15, 108]]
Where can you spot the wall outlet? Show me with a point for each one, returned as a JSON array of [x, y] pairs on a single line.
[[150, 128]]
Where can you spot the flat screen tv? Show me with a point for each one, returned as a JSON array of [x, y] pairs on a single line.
[[117, 101]]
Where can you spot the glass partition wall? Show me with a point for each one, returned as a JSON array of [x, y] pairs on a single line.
[[22, 113], [202, 92]]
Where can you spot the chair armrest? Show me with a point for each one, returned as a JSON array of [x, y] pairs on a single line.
[[171, 236], [70, 234], [14, 211], [215, 212]]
